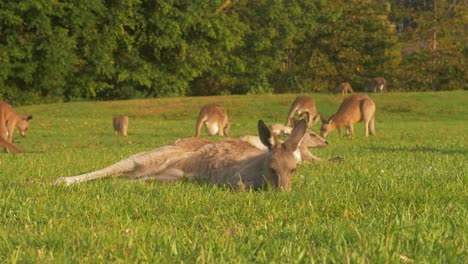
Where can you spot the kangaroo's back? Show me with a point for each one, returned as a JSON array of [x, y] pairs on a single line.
[[306, 109], [353, 109], [350, 109], [215, 119]]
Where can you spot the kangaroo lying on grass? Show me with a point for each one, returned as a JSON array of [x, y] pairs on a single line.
[[9, 119], [120, 125], [230, 162], [305, 108], [215, 119], [354, 109], [344, 88]]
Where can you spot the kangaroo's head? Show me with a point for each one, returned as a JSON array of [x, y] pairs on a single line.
[[23, 124], [312, 140], [327, 126], [280, 163]]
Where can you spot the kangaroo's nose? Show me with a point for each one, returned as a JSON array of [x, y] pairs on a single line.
[[326, 142]]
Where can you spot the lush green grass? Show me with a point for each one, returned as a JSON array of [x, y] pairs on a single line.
[[399, 197]]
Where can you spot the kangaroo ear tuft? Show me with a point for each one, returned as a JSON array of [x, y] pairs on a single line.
[[267, 138], [27, 117]]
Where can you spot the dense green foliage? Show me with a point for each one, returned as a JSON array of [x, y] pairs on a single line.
[[108, 49], [398, 197]]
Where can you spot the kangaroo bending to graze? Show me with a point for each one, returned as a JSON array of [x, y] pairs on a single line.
[[310, 140], [230, 162], [215, 120], [344, 88], [120, 123], [9, 120], [353, 109], [305, 108], [376, 85]]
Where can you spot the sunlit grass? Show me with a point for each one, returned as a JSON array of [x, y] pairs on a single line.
[[398, 197]]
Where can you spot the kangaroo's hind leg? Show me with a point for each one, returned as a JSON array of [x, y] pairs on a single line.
[[168, 175], [372, 126]]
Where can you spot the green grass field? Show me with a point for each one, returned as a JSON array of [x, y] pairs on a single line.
[[399, 197]]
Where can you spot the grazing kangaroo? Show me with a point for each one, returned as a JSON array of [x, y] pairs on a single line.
[[354, 109], [230, 162], [215, 119], [377, 85], [120, 125], [305, 108], [9, 119], [344, 88]]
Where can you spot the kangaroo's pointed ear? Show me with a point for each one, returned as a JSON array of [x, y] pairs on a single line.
[[27, 117], [296, 135], [267, 138]]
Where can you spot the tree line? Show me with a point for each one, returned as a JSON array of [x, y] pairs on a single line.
[[118, 49]]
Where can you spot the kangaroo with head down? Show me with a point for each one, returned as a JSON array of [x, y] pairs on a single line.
[[230, 162], [305, 108], [120, 123], [9, 120], [344, 88], [215, 120], [376, 85], [353, 109]]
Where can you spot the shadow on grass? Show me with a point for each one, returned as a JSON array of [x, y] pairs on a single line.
[[419, 149]]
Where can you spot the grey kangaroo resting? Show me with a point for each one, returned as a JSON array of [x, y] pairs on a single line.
[[230, 162]]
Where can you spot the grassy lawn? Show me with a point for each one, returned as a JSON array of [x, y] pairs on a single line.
[[399, 197]]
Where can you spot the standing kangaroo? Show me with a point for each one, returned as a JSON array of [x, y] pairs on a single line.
[[354, 109], [305, 108], [120, 125], [215, 119], [230, 162], [9, 119], [376, 85], [344, 88]]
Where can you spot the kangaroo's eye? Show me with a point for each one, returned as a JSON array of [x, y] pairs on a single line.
[[293, 170]]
